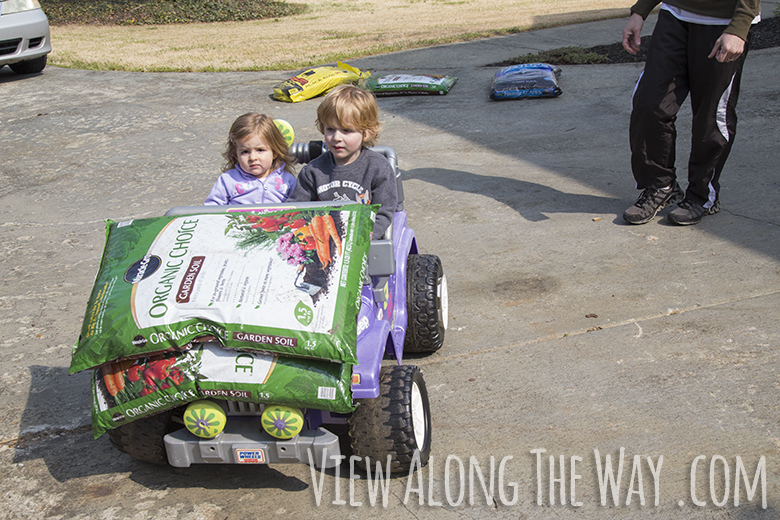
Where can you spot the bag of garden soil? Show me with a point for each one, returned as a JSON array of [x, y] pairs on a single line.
[[317, 81], [409, 84], [526, 81], [286, 282], [128, 390]]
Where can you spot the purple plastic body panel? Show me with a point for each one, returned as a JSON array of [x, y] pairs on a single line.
[[402, 245], [382, 325], [370, 351]]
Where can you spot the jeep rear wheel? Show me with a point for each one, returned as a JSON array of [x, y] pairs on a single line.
[[142, 439], [397, 423], [426, 304]]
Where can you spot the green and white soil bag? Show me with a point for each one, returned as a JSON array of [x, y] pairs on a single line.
[[270, 378], [125, 391], [254, 280], [409, 84]]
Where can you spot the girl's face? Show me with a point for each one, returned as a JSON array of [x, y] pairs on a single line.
[[254, 156], [345, 144]]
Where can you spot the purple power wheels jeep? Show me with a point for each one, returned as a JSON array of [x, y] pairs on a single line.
[[403, 309]]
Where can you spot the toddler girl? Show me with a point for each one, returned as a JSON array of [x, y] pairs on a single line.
[[257, 167]]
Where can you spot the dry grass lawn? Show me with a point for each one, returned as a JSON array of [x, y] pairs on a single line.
[[330, 30]]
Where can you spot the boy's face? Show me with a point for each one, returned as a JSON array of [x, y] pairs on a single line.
[[254, 156], [344, 143]]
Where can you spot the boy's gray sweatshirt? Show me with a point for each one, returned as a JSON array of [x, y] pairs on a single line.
[[369, 179]]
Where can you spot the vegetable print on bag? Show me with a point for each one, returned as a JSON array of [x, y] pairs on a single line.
[[128, 390]]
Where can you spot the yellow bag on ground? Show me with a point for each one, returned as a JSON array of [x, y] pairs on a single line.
[[314, 82]]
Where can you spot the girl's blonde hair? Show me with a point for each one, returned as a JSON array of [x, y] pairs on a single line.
[[352, 108], [263, 126]]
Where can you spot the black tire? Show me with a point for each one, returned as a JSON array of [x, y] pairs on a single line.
[[29, 66], [397, 423], [142, 439], [426, 304]]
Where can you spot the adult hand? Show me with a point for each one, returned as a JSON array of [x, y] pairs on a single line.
[[727, 48], [632, 37]]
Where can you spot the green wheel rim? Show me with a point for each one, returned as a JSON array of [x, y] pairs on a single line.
[[286, 130], [282, 422], [204, 419]]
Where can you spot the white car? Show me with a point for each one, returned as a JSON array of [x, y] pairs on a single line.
[[25, 40]]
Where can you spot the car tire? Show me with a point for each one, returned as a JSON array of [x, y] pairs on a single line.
[[29, 66], [397, 423], [426, 304], [142, 439]]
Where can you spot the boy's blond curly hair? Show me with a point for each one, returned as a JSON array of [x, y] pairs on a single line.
[[350, 108]]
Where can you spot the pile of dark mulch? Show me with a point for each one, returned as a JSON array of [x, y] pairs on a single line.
[[764, 35]]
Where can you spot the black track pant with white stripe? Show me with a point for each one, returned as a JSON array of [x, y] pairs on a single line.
[[677, 64]]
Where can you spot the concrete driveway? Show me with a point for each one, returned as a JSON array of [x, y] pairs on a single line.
[[573, 337]]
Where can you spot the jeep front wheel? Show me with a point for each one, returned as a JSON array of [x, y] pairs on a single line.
[[397, 423], [142, 439]]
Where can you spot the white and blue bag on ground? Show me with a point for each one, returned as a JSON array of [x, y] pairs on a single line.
[[528, 80]]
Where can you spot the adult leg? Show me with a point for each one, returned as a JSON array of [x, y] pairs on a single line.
[[714, 93], [661, 89]]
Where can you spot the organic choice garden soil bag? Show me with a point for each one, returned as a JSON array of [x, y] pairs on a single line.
[[128, 390], [409, 84], [286, 282]]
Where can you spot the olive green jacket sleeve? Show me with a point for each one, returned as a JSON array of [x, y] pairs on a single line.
[[744, 14], [740, 12], [644, 7]]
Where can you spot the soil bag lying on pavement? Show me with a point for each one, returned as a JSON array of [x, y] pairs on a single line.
[[409, 84], [526, 81], [286, 282], [128, 390], [317, 81]]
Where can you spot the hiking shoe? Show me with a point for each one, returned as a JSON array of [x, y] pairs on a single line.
[[689, 212], [650, 202]]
